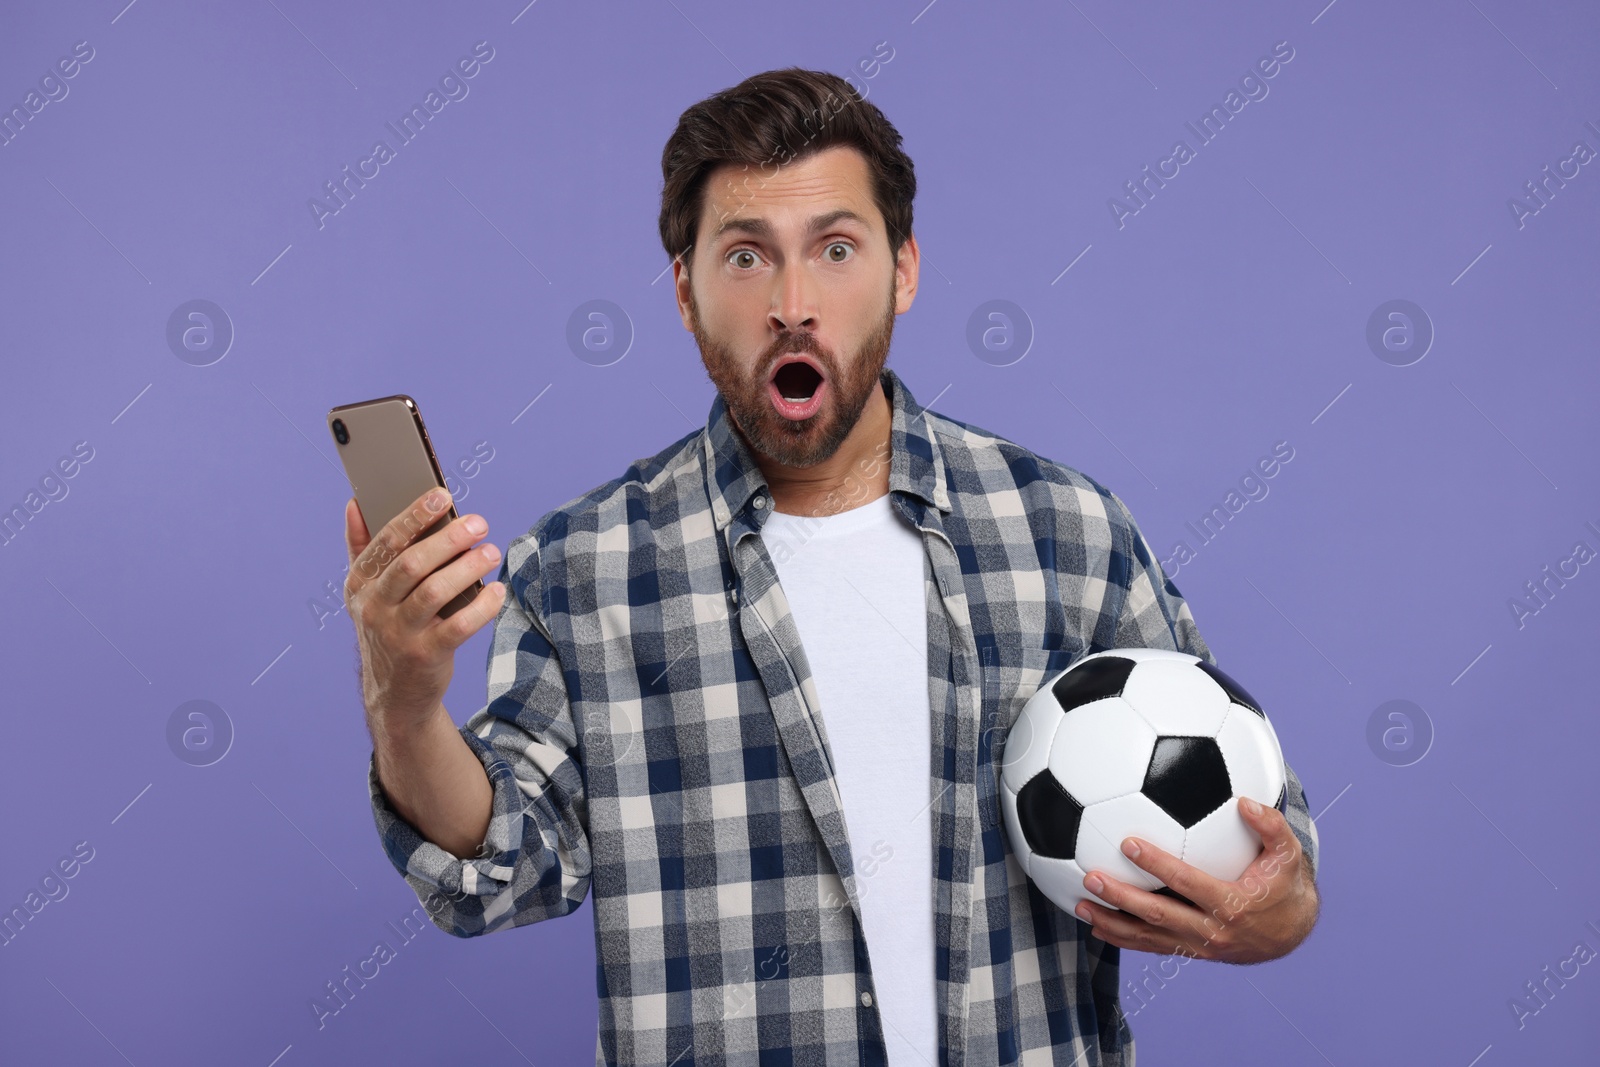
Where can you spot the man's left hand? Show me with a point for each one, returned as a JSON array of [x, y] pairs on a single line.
[[1262, 915]]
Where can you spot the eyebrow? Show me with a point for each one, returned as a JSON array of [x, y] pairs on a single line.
[[763, 229]]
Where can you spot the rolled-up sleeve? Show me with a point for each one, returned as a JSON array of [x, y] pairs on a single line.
[[534, 862], [1155, 615]]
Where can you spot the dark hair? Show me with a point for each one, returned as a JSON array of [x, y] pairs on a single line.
[[772, 119]]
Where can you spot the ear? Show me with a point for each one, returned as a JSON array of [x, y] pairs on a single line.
[[907, 267], [680, 286]]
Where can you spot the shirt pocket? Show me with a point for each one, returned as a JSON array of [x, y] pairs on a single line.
[[1011, 681]]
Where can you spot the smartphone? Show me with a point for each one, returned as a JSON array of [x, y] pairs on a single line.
[[390, 462]]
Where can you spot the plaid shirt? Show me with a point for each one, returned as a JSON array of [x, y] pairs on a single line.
[[653, 739]]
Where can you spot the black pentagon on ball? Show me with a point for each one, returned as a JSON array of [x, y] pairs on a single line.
[[1187, 778], [1235, 691], [1049, 817], [1091, 680]]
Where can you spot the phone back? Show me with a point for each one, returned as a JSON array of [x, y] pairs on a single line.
[[387, 458], [390, 462]]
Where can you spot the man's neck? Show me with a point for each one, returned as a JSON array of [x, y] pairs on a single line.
[[854, 475]]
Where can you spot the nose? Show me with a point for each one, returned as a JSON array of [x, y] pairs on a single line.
[[795, 305]]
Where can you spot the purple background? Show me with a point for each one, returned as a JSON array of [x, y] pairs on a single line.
[[1229, 314]]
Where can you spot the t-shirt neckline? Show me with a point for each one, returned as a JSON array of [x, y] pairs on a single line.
[[873, 511]]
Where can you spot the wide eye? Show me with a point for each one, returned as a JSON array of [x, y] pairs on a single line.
[[837, 259], [742, 252]]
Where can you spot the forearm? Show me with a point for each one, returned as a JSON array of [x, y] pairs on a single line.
[[435, 782]]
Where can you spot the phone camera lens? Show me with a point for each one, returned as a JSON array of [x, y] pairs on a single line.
[[340, 434]]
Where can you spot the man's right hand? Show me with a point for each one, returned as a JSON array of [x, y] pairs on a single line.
[[393, 597]]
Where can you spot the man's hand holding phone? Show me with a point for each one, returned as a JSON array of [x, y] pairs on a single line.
[[394, 591]]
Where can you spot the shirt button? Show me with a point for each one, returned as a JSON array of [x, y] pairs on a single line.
[[734, 593], [866, 999], [760, 502]]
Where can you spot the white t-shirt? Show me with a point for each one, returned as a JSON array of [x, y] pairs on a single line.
[[854, 582]]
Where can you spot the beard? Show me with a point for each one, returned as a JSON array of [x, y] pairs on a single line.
[[803, 442]]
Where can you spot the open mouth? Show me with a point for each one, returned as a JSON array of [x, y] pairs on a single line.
[[797, 387]]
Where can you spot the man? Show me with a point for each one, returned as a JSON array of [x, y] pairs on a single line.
[[752, 695]]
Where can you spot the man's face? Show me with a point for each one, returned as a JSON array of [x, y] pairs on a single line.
[[777, 271]]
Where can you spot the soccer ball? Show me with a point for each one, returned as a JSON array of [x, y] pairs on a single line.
[[1139, 742]]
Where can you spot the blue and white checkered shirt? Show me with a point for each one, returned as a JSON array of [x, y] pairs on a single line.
[[653, 739]]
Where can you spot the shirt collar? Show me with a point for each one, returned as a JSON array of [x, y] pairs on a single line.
[[916, 466]]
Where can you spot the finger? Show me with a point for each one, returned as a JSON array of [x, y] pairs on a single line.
[[388, 543], [1205, 890], [1128, 931], [1108, 925], [356, 537], [1280, 849], [453, 632], [1155, 910], [442, 585], [418, 562], [1268, 822], [1277, 839]]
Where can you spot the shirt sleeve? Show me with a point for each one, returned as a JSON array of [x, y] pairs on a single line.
[[534, 862], [1155, 615]]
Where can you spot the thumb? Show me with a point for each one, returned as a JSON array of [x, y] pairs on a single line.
[[356, 537], [1278, 843]]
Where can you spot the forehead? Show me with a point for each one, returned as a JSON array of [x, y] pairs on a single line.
[[789, 196]]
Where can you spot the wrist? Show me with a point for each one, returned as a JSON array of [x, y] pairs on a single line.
[[406, 730]]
